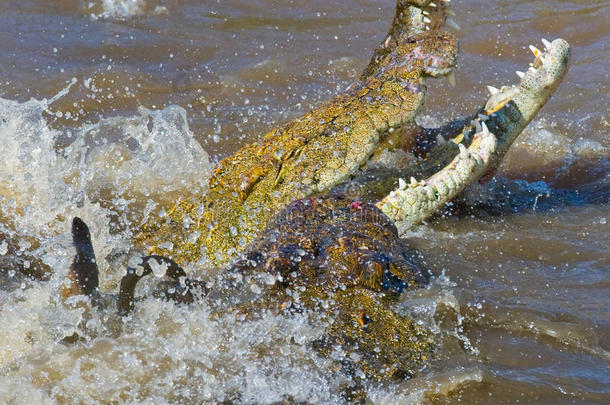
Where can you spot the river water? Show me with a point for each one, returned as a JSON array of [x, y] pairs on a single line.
[[110, 109]]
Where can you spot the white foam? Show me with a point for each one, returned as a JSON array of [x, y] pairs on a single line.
[[123, 9], [114, 172]]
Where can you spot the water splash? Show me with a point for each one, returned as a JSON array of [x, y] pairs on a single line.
[[113, 173], [123, 9]]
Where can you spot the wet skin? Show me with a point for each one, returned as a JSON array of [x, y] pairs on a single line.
[[307, 156], [333, 255]]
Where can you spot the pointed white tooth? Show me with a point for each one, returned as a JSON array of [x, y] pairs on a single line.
[[532, 69], [463, 151], [446, 1], [547, 44], [387, 41], [402, 184], [426, 12], [427, 28], [414, 182], [492, 90], [451, 23], [451, 78], [535, 50], [433, 4], [440, 140], [485, 129], [427, 20], [520, 74]]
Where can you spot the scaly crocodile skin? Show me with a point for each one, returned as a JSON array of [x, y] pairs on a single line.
[[305, 157]]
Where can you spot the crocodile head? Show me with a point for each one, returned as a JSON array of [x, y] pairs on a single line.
[[433, 53], [506, 114]]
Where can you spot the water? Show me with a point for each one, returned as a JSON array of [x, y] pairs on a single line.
[[160, 90]]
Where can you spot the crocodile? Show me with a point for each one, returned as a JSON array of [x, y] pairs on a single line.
[[313, 153], [342, 257]]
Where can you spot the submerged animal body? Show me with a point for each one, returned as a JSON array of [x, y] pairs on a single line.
[[335, 255]]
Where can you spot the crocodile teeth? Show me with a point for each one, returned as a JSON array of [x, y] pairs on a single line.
[[440, 140], [532, 69], [387, 41], [427, 20], [451, 23], [463, 151], [484, 128], [547, 44], [535, 50], [492, 90], [520, 74], [451, 78], [433, 4], [402, 184], [426, 13], [414, 182]]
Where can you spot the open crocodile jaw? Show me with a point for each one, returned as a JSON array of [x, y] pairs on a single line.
[[536, 87], [510, 111]]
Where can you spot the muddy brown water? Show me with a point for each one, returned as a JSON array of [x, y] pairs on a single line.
[[521, 285]]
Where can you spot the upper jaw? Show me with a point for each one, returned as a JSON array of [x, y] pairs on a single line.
[[510, 109], [537, 84], [543, 77]]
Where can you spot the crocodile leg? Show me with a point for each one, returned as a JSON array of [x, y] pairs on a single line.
[[510, 110]]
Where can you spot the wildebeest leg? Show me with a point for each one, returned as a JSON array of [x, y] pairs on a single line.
[[83, 273], [178, 288]]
